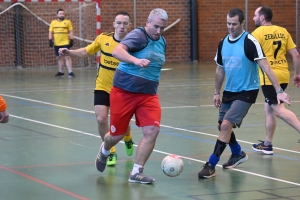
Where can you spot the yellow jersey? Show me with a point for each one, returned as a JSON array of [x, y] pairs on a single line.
[[275, 42], [60, 31], [105, 43]]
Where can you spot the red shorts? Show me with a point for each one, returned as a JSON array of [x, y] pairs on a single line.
[[123, 105]]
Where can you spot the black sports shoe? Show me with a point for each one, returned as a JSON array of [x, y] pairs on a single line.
[[59, 74], [208, 171], [235, 160]]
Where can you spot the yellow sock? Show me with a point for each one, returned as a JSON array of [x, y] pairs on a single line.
[[127, 138], [113, 149]]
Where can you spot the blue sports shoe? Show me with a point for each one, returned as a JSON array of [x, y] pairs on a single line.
[[262, 148]]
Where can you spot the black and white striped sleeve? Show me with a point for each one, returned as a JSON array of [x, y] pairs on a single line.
[[218, 57], [253, 49]]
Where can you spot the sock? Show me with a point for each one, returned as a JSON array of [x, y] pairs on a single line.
[[136, 168], [219, 148], [236, 149], [113, 149], [106, 153], [213, 160], [232, 140], [267, 143], [127, 138]]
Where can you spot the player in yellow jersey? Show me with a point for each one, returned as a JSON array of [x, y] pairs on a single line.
[[275, 42], [106, 42], [61, 30]]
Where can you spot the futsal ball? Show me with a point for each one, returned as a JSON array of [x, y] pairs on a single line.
[[172, 165]]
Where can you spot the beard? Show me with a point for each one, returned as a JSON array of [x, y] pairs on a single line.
[[257, 24], [61, 18]]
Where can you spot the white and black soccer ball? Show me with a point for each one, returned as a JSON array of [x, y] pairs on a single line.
[[172, 165]]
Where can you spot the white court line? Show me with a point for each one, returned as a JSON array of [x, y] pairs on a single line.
[[43, 102], [162, 152], [201, 133], [253, 104], [72, 108], [185, 130]]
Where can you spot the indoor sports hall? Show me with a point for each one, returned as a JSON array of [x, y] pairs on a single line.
[[49, 146]]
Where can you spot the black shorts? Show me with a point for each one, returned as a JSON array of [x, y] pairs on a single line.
[[56, 48], [101, 98], [270, 93]]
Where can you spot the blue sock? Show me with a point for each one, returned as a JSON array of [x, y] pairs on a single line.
[[213, 160], [236, 149]]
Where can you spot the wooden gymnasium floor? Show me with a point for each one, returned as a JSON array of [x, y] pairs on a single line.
[[49, 146]]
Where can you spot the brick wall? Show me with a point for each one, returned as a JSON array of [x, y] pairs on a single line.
[[178, 37], [33, 42], [178, 42], [212, 20], [211, 26]]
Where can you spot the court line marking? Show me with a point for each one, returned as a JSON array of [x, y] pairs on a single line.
[[162, 152], [208, 134], [43, 183], [93, 112]]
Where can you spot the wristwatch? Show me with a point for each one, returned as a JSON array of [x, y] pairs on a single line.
[[280, 90]]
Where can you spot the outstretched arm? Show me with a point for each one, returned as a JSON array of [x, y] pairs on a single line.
[[121, 53], [79, 53]]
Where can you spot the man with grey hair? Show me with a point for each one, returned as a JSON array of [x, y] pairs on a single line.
[[142, 55]]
